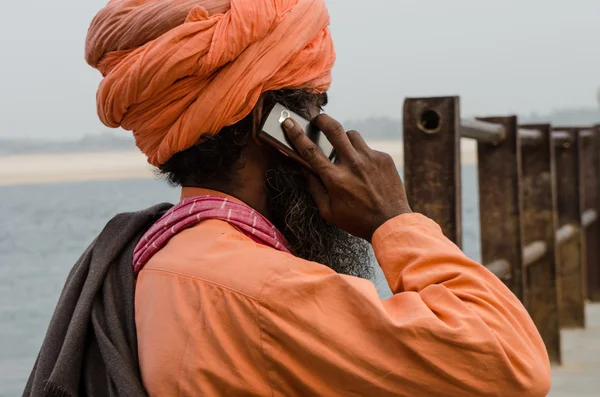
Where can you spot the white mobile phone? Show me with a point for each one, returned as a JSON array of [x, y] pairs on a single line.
[[272, 133]]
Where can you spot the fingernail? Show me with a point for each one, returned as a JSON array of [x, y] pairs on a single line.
[[288, 123]]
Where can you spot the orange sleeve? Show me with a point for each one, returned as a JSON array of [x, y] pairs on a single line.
[[450, 329]]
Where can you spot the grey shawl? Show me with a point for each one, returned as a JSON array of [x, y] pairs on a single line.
[[90, 348]]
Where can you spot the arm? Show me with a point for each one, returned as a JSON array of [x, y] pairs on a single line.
[[451, 328]]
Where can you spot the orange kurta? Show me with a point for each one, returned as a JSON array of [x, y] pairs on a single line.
[[220, 315]]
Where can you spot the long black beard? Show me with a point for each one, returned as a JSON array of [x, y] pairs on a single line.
[[296, 215]]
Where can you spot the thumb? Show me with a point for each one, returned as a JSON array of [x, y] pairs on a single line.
[[320, 194]]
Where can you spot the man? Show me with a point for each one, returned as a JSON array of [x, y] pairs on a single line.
[[255, 284]]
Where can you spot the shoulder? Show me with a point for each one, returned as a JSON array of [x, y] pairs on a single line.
[[215, 253]]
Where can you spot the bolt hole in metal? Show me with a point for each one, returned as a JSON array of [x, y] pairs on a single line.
[[430, 121]]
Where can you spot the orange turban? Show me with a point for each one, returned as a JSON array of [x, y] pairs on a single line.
[[177, 70]]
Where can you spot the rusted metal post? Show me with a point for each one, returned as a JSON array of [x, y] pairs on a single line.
[[539, 229], [500, 202], [589, 177], [432, 161], [570, 275]]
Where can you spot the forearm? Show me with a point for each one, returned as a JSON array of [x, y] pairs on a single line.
[[416, 257]]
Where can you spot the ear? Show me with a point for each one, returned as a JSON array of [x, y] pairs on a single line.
[[257, 117], [260, 113]]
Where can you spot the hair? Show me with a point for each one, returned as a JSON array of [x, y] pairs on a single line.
[[216, 158], [294, 212]]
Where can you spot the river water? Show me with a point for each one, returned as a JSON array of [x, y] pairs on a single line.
[[45, 228]]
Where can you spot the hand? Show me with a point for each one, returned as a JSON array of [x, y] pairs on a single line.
[[362, 190]]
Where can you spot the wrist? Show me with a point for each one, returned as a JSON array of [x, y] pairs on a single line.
[[400, 209], [389, 215]]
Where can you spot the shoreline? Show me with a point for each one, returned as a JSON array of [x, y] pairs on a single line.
[[31, 169]]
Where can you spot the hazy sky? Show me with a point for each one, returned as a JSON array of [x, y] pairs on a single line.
[[501, 56]]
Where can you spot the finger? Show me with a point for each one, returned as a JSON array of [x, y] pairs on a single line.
[[320, 194], [358, 141], [336, 135], [305, 147]]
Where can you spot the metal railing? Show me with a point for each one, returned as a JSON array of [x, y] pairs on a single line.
[[539, 202]]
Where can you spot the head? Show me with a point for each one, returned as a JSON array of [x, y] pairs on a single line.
[[237, 162], [192, 80]]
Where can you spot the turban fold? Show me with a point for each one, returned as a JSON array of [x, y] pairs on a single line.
[[177, 70]]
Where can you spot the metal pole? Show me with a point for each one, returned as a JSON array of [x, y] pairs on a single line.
[[530, 137], [571, 260], [539, 233], [533, 252], [432, 161], [588, 174], [500, 202], [481, 131]]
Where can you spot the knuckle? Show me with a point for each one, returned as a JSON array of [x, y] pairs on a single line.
[[382, 157], [331, 177], [309, 153], [337, 127], [356, 163], [387, 158]]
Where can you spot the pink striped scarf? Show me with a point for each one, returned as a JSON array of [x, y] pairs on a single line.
[[192, 210]]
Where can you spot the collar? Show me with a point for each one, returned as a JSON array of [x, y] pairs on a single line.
[[188, 192]]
